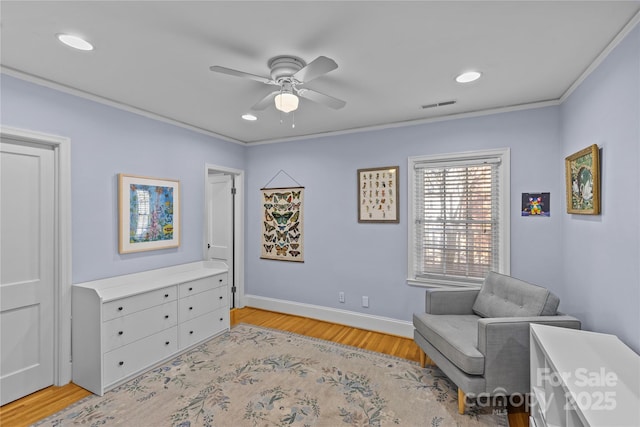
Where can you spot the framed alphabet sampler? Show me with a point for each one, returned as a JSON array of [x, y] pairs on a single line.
[[378, 195]]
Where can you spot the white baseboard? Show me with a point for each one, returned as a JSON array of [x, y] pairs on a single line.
[[349, 318]]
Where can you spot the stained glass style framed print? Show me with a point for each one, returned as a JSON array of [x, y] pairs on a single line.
[[149, 213]]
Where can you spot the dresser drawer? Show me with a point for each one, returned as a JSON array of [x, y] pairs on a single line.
[[201, 285], [127, 329], [197, 305], [125, 306], [199, 328], [140, 354], [221, 297]]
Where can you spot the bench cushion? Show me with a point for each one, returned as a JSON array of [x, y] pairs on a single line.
[[455, 336], [505, 296]]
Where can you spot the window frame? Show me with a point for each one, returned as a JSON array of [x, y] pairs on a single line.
[[504, 203]]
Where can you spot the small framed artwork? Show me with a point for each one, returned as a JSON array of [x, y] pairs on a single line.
[[149, 213], [583, 181], [378, 195], [536, 204]]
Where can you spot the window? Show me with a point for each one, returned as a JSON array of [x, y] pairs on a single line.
[[144, 212], [458, 217]]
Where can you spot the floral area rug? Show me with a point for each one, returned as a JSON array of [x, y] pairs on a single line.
[[253, 376]]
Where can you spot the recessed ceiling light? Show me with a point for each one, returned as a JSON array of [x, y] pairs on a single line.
[[468, 77], [249, 117], [75, 42]]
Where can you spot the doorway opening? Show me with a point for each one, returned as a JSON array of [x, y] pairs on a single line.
[[224, 226]]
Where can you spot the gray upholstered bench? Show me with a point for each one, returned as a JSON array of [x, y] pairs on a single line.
[[480, 337]]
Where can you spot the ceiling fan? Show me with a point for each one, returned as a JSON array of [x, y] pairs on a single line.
[[290, 73]]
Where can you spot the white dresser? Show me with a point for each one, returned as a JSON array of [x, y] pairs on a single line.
[[122, 326], [582, 378]]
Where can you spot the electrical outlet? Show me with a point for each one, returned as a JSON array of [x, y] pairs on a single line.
[[365, 301], [340, 296]]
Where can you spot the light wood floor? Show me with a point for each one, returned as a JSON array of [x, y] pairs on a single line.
[[36, 406]]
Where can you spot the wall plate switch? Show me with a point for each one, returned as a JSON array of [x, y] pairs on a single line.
[[340, 296], [365, 301]]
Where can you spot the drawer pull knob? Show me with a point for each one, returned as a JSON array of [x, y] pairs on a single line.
[[190, 332], [166, 343], [120, 308], [166, 316], [166, 295], [190, 289], [220, 280], [121, 363], [220, 296], [221, 319], [190, 308], [120, 332]]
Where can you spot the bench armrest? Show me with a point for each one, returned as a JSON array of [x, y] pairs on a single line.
[[450, 301], [504, 342]]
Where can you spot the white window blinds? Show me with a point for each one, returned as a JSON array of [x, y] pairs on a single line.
[[457, 219]]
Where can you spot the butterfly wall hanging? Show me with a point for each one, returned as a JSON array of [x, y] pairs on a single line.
[[282, 224]]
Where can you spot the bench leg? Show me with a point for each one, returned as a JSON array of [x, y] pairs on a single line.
[[425, 360], [461, 401]]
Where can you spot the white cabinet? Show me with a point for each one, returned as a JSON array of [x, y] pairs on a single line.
[[123, 325], [581, 378]]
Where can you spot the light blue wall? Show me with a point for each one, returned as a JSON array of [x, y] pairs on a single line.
[[106, 141], [371, 259], [591, 262], [601, 253]]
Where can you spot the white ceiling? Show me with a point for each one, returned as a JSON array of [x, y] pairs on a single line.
[[393, 57]]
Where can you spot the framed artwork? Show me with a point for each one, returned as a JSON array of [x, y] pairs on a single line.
[[149, 213], [536, 204], [378, 195], [583, 181], [282, 224]]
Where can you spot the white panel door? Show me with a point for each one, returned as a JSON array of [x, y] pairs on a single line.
[[26, 270], [220, 221]]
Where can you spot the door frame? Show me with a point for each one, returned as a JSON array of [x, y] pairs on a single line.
[[61, 242], [238, 224]]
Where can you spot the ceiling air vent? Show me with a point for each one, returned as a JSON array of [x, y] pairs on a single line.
[[438, 104]]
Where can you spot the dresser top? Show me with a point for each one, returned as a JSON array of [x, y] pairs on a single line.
[[600, 372], [136, 283]]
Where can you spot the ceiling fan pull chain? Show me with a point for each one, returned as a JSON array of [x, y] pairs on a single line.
[[281, 113]]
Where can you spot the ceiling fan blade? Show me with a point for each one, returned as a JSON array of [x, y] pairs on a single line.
[[266, 101], [236, 73], [321, 98], [319, 66]]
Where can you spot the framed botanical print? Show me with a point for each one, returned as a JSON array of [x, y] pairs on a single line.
[[378, 194], [149, 213], [583, 181]]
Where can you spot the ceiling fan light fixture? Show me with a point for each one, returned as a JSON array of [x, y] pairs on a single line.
[[75, 42], [468, 77], [286, 102]]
